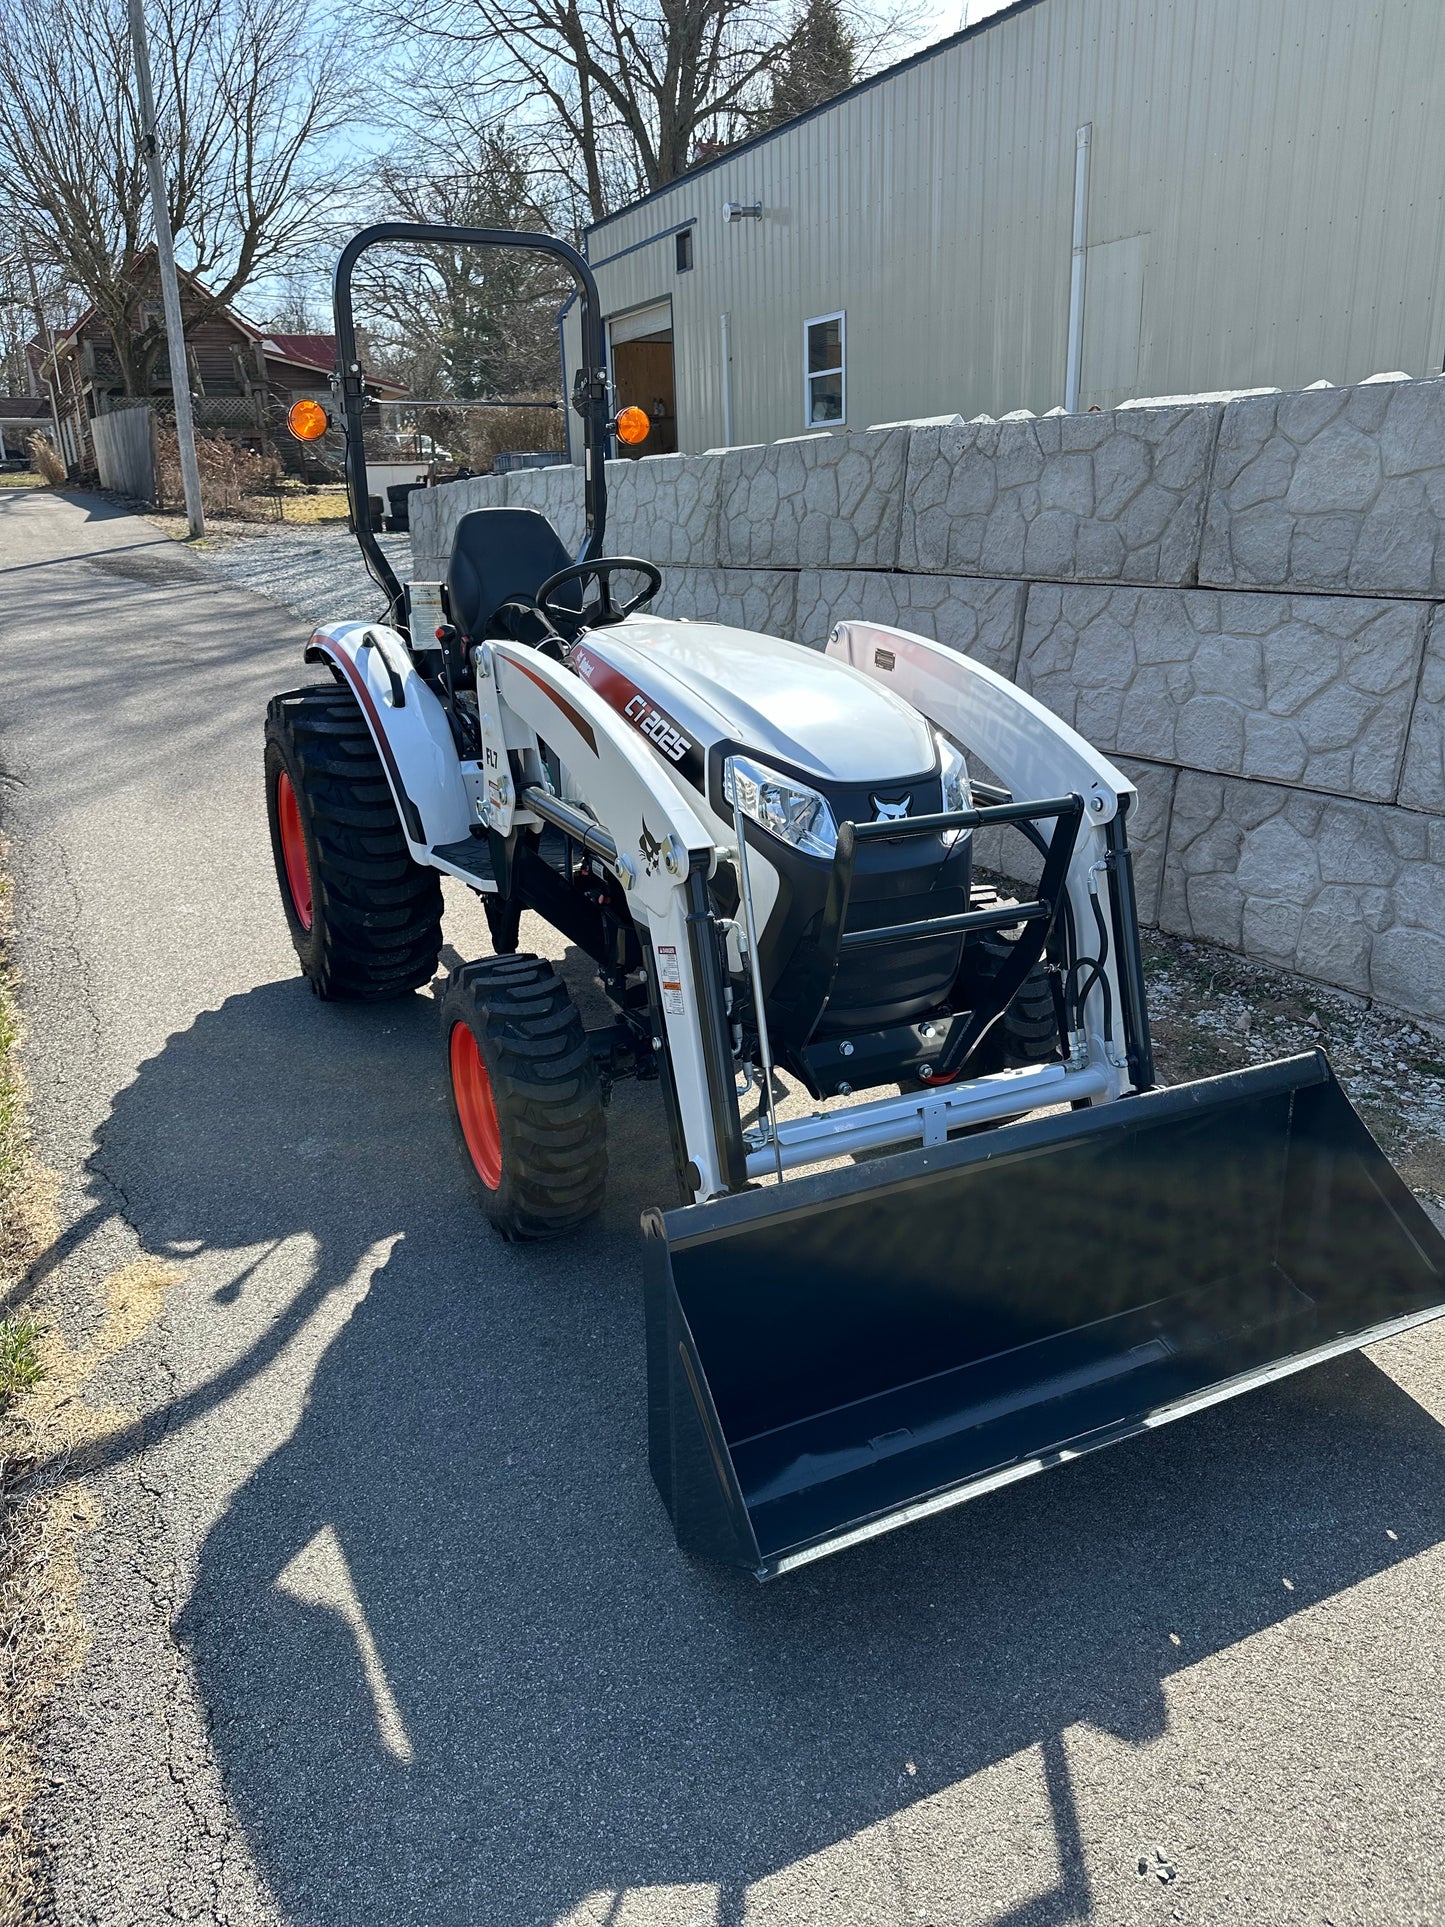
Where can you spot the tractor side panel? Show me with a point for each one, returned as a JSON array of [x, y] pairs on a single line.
[[408, 725]]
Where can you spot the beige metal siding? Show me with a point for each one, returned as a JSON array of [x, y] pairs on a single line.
[[1267, 206]]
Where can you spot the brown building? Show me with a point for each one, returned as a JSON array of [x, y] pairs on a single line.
[[243, 377]]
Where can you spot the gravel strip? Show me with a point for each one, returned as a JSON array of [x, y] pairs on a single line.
[[316, 573], [1212, 1011]]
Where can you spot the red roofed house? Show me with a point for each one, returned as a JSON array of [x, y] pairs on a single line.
[[243, 377]]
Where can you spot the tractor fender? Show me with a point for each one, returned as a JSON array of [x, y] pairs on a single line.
[[407, 724]]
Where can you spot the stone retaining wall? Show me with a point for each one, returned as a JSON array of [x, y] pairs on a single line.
[[1244, 602]]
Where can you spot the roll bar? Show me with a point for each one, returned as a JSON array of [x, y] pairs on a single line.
[[589, 389]]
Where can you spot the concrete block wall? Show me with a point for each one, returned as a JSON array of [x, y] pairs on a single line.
[[1243, 602]]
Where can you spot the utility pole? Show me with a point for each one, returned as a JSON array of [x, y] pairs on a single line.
[[166, 263]]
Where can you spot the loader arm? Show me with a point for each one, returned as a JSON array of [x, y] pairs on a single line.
[[643, 828]]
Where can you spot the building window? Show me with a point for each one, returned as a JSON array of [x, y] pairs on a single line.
[[682, 242], [825, 392]]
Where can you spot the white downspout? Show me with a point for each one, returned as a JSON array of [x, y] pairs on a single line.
[[725, 329], [1075, 362]]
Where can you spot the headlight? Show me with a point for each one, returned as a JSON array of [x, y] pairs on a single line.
[[956, 793], [781, 805]]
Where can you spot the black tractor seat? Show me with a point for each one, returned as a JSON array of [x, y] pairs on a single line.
[[500, 558]]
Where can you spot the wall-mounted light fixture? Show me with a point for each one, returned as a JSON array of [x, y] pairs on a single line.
[[741, 211]]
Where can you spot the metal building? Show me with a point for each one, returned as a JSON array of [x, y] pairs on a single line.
[[1076, 201]]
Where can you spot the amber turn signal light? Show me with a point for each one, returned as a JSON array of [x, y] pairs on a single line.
[[632, 426], [307, 420]]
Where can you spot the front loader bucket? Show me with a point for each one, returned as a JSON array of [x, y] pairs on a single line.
[[845, 1352]]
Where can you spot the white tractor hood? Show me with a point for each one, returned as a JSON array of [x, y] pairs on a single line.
[[778, 698]]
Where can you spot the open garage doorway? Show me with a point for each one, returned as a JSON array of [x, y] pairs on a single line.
[[642, 372]]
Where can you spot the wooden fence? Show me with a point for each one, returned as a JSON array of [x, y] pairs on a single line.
[[125, 452]]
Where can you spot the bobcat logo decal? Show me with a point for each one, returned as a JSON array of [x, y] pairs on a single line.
[[890, 812], [650, 850]]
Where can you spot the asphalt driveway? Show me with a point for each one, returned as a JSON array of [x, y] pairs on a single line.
[[386, 1620]]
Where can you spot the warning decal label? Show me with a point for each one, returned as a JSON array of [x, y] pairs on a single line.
[[669, 979]]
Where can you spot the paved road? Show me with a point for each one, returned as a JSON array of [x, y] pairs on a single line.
[[387, 1624]]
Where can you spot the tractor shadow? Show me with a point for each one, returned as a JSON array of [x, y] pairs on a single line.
[[455, 1668]]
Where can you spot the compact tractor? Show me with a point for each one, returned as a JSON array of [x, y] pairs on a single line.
[[987, 1240]]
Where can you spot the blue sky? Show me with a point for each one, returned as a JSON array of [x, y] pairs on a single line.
[[935, 21], [938, 21]]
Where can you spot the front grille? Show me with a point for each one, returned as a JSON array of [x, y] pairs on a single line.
[[896, 982]]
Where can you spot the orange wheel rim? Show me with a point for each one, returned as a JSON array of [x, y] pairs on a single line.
[[293, 850], [476, 1107]]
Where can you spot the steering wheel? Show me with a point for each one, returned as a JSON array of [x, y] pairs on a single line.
[[604, 610]]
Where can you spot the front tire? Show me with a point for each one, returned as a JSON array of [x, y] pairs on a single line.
[[1028, 1032], [364, 916], [526, 1097], [1030, 1026]]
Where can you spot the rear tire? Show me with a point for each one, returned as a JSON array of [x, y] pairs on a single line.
[[525, 1095], [364, 916]]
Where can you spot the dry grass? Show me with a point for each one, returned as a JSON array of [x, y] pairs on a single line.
[[48, 1437], [489, 431], [48, 462], [238, 485], [477, 435], [327, 505], [16, 1228], [231, 476], [40, 1642], [21, 478], [26, 1609], [38, 1574]]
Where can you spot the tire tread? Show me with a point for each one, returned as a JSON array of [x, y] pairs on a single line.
[[376, 928], [546, 1089]]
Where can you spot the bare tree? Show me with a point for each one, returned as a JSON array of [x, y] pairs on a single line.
[[245, 100], [17, 322], [466, 324], [621, 96], [34, 302], [300, 304]]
